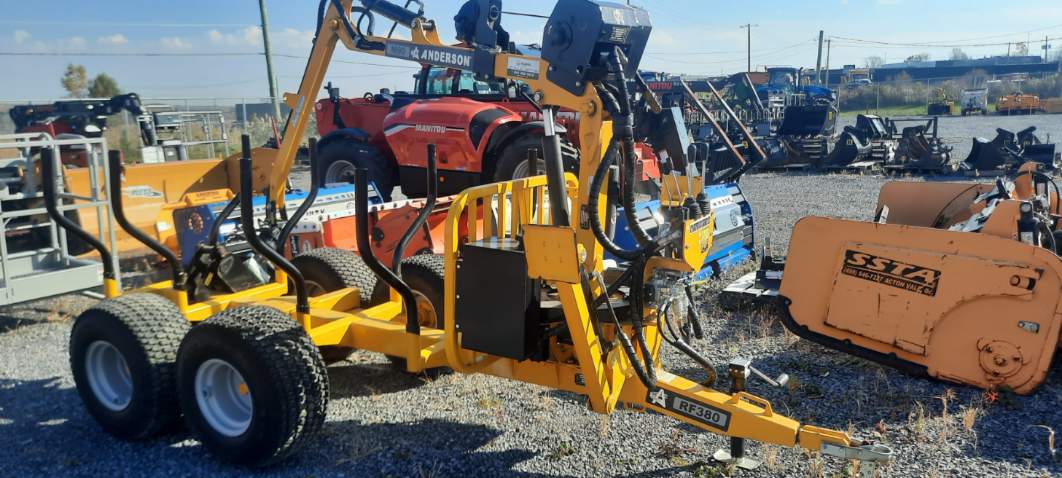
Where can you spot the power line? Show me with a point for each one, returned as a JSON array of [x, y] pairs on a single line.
[[860, 41], [96, 53], [990, 37], [184, 54], [769, 54], [121, 24]]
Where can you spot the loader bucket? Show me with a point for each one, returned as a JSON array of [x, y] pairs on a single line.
[[1041, 153], [809, 120], [985, 155], [956, 306], [848, 149]]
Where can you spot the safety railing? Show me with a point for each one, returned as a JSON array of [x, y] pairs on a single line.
[[491, 211], [49, 266]]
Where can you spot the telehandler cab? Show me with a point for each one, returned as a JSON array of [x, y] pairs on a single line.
[[521, 291]]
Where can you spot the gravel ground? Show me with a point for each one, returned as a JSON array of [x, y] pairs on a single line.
[[382, 423]]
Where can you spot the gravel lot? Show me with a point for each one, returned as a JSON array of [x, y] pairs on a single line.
[[386, 424]]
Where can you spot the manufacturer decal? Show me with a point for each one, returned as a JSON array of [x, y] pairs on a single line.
[[142, 192], [893, 273], [440, 56], [522, 68], [700, 412]]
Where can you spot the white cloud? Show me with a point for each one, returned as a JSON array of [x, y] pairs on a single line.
[[292, 38], [251, 36], [115, 40], [175, 43], [73, 43], [248, 36], [21, 36]]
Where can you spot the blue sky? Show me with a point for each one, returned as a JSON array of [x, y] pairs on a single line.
[[690, 36]]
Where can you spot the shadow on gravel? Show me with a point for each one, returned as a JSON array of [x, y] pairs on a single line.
[[367, 380], [47, 433], [424, 448]]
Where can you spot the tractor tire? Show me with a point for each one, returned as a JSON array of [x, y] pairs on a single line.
[[513, 160], [122, 355], [340, 157], [252, 386], [425, 274], [328, 270]]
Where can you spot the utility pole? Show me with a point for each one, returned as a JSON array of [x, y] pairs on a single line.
[[1008, 49], [1046, 48], [269, 60], [818, 62], [748, 45], [828, 43]]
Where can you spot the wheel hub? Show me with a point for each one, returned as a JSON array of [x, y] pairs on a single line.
[[108, 375], [223, 397]]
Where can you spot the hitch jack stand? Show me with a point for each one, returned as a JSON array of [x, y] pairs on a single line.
[[739, 370]]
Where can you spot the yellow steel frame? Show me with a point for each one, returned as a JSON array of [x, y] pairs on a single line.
[[498, 210]]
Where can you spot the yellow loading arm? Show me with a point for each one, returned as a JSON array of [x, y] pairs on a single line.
[[564, 251]]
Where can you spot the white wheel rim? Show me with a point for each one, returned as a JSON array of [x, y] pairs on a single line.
[[223, 397], [523, 169], [108, 376], [339, 172]]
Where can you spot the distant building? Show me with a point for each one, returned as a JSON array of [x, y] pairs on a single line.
[[945, 69]]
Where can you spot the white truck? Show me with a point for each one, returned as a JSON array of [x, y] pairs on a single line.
[[974, 101]]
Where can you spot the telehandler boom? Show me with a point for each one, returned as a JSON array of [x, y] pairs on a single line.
[[522, 291]]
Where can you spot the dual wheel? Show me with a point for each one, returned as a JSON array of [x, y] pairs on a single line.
[[250, 383]]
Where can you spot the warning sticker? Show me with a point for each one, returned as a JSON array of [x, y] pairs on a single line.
[[142, 192], [522, 68], [909, 277]]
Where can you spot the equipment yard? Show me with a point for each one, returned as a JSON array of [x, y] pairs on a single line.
[[382, 423], [438, 248]]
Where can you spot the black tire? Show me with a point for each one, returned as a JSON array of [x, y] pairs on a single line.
[[281, 370], [146, 330], [425, 274], [329, 270], [513, 158], [339, 157]]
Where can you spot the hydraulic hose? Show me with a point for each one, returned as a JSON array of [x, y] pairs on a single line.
[[676, 341], [623, 128], [595, 219], [638, 326], [645, 373]]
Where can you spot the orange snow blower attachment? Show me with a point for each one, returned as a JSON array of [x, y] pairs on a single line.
[[955, 281]]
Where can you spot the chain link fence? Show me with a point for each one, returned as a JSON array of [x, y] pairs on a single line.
[[209, 127]]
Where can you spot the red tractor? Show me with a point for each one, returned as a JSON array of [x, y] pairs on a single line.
[[484, 133]]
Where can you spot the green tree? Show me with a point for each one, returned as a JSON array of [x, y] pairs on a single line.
[[103, 86], [75, 81]]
